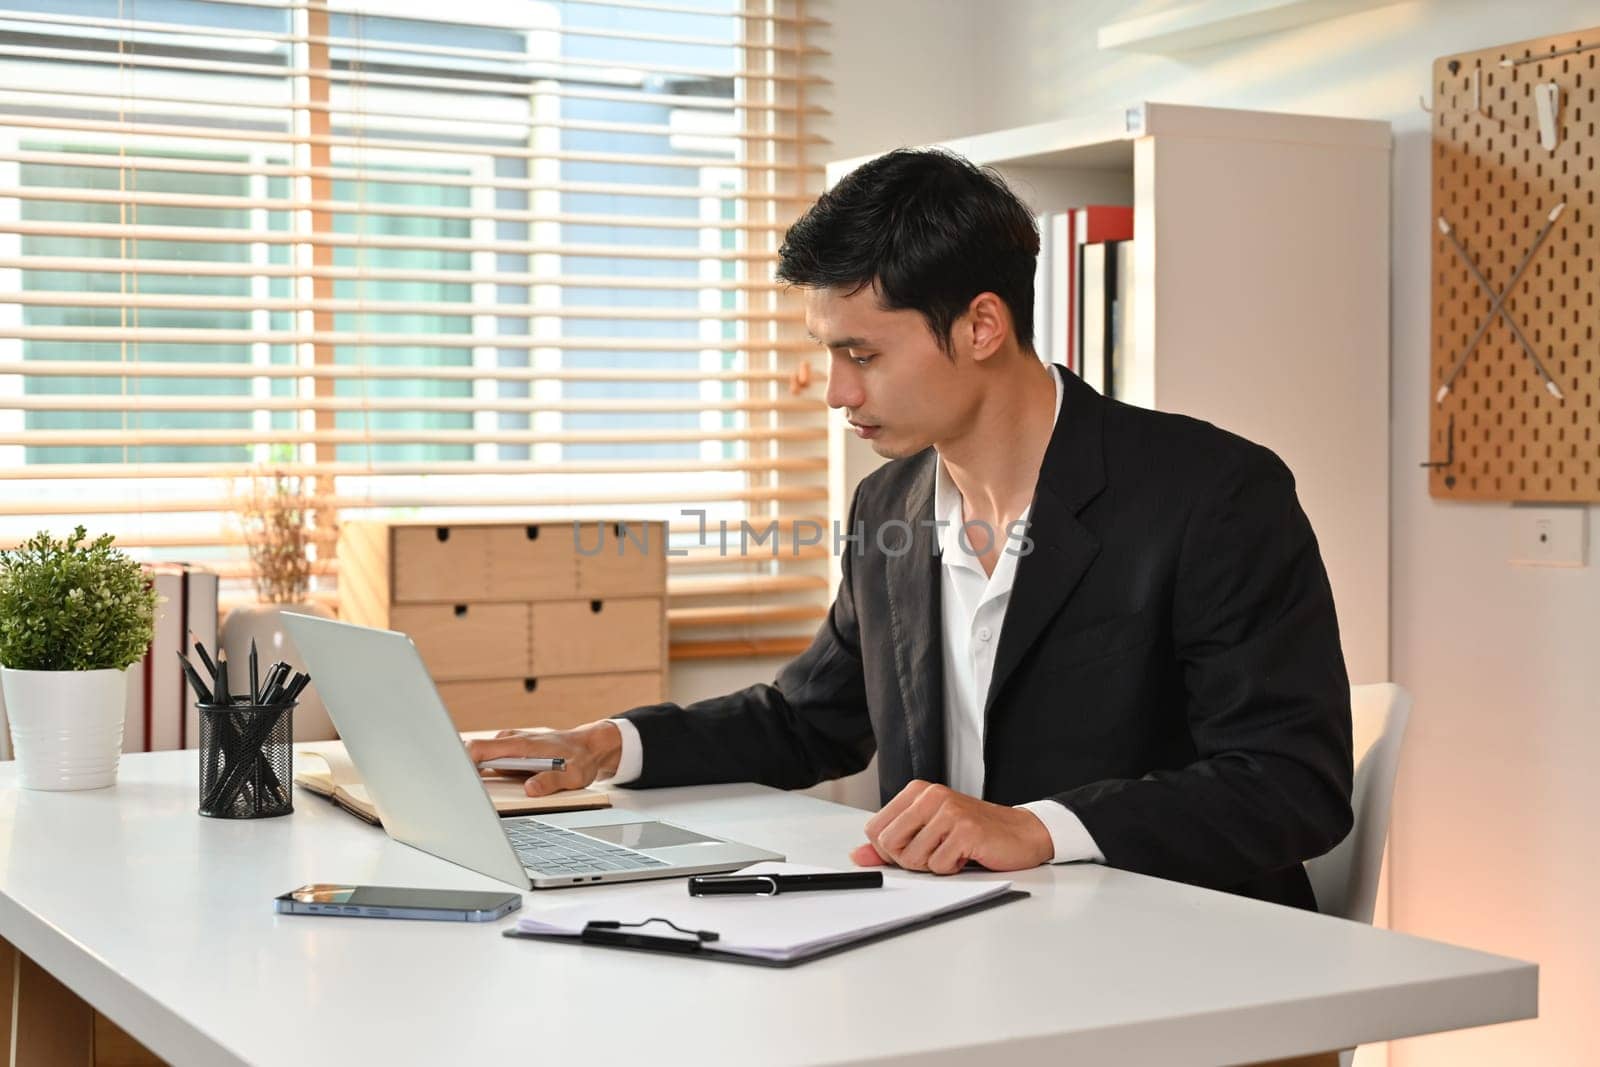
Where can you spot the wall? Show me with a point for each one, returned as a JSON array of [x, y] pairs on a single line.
[[1495, 838]]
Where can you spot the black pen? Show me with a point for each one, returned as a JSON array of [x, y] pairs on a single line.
[[280, 685], [770, 885], [222, 697], [201, 693], [255, 676], [205, 659], [299, 683], [275, 676]]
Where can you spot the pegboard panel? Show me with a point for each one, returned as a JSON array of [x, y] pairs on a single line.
[[1500, 433]]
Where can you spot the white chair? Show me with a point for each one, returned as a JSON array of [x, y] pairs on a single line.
[[1346, 879]]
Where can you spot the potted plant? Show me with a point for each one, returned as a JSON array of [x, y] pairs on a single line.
[[275, 518], [73, 616]]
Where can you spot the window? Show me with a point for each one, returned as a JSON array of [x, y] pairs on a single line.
[[513, 264]]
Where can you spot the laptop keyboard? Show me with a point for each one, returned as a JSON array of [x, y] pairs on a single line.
[[553, 850]]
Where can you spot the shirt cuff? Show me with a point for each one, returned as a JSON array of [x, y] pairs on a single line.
[[1067, 832], [631, 763]]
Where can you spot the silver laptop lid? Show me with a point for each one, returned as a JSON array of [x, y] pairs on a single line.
[[400, 736]]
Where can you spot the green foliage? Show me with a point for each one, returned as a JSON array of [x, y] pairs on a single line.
[[70, 606]]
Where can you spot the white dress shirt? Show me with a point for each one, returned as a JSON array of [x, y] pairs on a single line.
[[972, 612], [974, 607]]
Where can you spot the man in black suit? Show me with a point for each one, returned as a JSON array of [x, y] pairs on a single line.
[[1070, 629]]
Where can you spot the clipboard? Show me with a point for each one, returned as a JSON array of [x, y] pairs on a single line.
[[696, 948]]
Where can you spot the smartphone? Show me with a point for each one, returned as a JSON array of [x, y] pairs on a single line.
[[395, 902]]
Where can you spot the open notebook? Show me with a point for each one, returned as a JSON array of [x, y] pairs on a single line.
[[778, 930], [324, 768]]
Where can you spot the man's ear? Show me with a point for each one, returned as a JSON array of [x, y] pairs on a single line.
[[986, 325]]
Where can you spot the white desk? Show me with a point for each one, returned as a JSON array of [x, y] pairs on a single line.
[[163, 921]]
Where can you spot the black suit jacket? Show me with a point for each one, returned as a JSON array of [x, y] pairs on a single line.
[[1169, 667]]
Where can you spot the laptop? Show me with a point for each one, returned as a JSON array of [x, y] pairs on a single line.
[[429, 794]]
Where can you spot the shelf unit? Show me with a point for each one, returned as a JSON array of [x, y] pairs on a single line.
[[1260, 302]]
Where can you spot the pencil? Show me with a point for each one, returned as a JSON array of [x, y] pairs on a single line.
[[222, 679], [201, 693], [255, 677], [205, 660]]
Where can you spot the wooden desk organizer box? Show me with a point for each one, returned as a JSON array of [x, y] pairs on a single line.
[[518, 626]]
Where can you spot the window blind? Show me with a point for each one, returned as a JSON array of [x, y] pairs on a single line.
[[474, 260]]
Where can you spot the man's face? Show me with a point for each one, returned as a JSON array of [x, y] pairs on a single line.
[[899, 391]]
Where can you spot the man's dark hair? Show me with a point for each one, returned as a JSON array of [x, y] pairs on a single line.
[[931, 228]]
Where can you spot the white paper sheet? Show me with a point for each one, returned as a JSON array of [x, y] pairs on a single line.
[[780, 927]]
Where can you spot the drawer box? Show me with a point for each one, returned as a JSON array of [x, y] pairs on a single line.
[[532, 562], [620, 558], [589, 636], [527, 561], [511, 600], [434, 563], [558, 702], [467, 640]]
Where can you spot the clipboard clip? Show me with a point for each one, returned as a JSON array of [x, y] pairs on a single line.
[[611, 932]]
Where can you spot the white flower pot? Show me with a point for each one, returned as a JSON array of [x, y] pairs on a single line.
[[66, 726], [263, 623]]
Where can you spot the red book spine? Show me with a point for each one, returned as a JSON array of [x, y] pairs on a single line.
[[145, 670], [1105, 222], [183, 683]]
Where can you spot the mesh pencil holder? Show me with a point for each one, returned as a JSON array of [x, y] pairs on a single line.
[[246, 760]]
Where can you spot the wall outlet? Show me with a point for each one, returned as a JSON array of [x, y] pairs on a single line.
[[1549, 536]]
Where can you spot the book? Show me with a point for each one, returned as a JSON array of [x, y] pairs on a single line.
[[160, 712], [1093, 225], [166, 691], [324, 768], [1129, 378], [1043, 292], [133, 735], [1054, 289], [200, 618], [781, 929], [1096, 281], [1063, 291], [1102, 222], [136, 712], [1058, 307]]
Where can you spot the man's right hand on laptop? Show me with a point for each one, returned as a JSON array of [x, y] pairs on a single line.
[[591, 751]]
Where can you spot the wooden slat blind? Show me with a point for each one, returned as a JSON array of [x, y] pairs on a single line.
[[478, 260]]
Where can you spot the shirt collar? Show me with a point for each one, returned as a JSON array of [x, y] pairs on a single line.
[[947, 498]]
